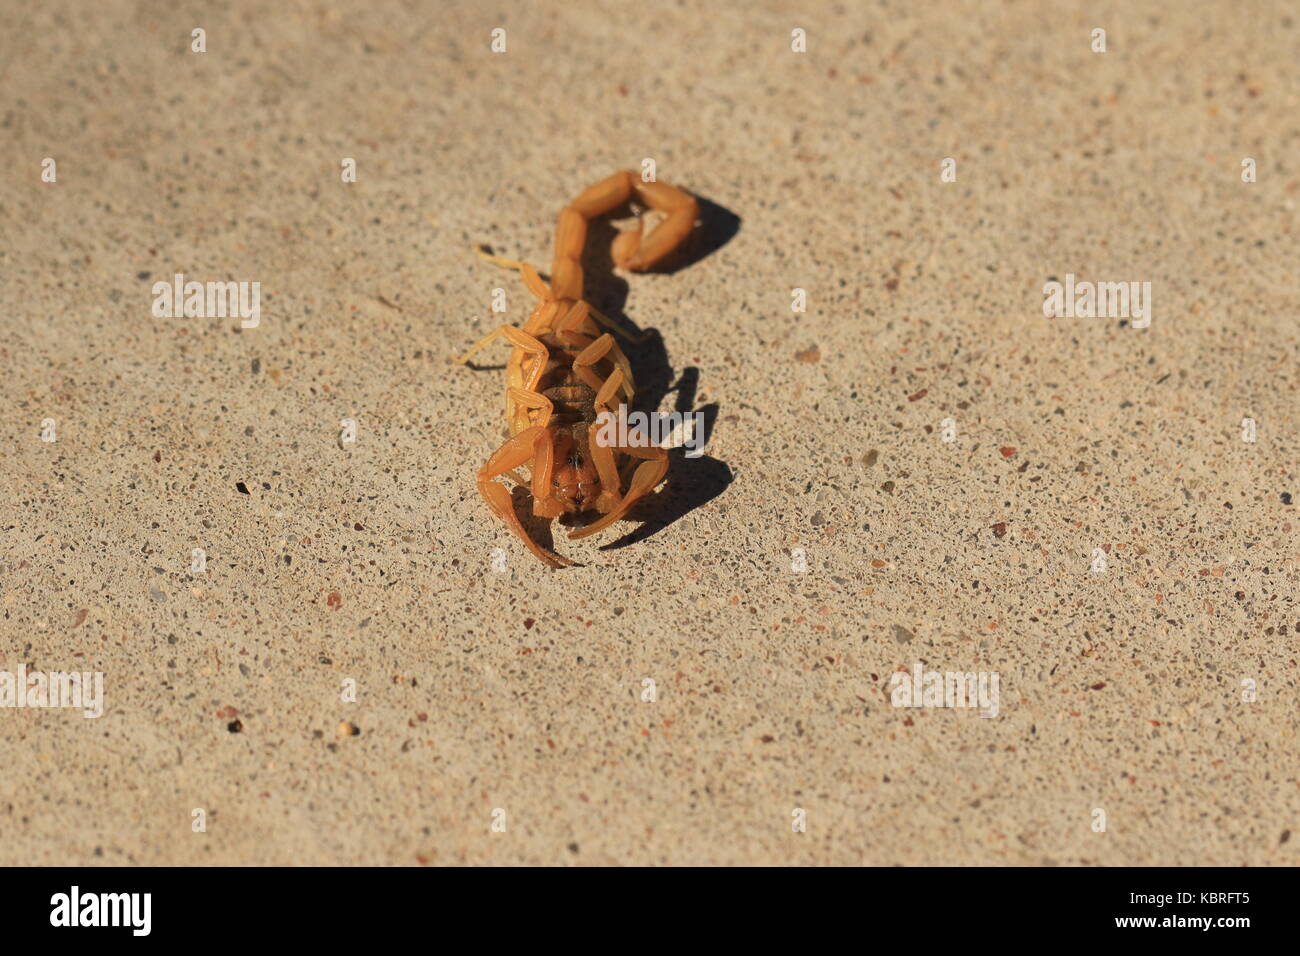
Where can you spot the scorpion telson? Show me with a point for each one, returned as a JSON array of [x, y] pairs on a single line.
[[564, 372]]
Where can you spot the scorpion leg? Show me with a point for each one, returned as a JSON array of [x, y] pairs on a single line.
[[515, 374], [531, 279], [534, 282], [648, 474], [515, 337], [534, 401], [515, 452], [603, 347], [576, 320], [602, 454], [590, 378], [610, 324], [610, 389]]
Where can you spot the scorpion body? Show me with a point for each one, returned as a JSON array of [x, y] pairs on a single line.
[[564, 372]]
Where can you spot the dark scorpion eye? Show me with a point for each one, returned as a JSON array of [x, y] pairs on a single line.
[[575, 461]]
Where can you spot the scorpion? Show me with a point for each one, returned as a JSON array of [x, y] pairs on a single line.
[[564, 373]]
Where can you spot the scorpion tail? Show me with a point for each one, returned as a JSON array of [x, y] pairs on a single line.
[[631, 249]]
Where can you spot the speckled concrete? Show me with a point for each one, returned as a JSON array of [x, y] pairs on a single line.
[[521, 690]]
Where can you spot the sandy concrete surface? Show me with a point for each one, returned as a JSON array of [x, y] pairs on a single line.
[[1097, 533]]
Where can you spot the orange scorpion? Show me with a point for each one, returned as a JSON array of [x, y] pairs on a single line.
[[563, 372]]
